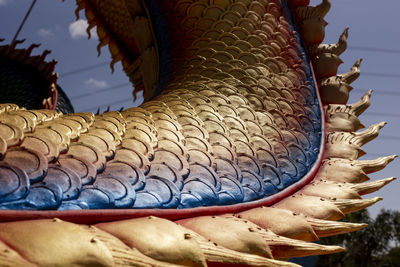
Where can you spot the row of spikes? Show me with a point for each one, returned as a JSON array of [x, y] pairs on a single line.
[[38, 64], [252, 237]]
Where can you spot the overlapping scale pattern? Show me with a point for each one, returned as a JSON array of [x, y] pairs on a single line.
[[239, 120]]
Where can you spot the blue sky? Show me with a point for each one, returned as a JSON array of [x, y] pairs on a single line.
[[374, 36]]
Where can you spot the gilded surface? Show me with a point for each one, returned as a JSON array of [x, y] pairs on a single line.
[[234, 116]]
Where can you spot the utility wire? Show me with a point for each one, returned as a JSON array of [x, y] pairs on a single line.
[[91, 67], [23, 21], [389, 137], [375, 49], [378, 92], [377, 74], [379, 114], [111, 88]]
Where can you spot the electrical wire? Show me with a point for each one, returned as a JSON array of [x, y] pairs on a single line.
[[111, 88], [23, 21], [87, 68], [375, 49]]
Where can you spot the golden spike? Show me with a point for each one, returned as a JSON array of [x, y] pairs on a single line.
[[355, 109], [309, 12], [344, 118], [150, 236], [311, 22], [359, 107], [336, 89], [315, 207], [215, 253], [52, 242], [330, 190], [351, 171], [326, 65], [370, 187], [369, 166], [352, 205], [336, 49], [280, 221], [342, 122], [230, 232], [361, 138], [339, 145], [122, 254], [353, 74], [348, 145], [322, 9], [324, 228], [283, 247]]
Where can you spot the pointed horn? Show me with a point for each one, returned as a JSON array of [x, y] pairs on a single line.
[[355, 109], [359, 107], [308, 12], [315, 207], [322, 9], [369, 166], [343, 145], [281, 221], [370, 187], [361, 138], [353, 74], [283, 247], [341, 45], [352, 205], [336, 49], [330, 190], [324, 228], [334, 90], [215, 253], [122, 254]]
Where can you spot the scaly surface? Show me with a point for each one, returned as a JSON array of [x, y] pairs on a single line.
[[237, 119], [232, 122]]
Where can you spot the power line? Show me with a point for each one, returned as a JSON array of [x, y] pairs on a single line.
[[91, 67], [377, 74], [23, 21], [377, 92], [393, 115], [375, 49], [111, 88], [389, 137]]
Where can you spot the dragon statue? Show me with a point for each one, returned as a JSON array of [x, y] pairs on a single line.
[[244, 151]]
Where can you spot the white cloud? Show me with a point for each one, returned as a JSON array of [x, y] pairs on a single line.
[[96, 83], [5, 2], [78, 28], [45, 32]]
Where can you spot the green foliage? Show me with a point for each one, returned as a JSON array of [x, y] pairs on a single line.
[[376, 245]]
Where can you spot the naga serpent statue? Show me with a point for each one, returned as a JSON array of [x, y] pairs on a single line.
[[244, 151]]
